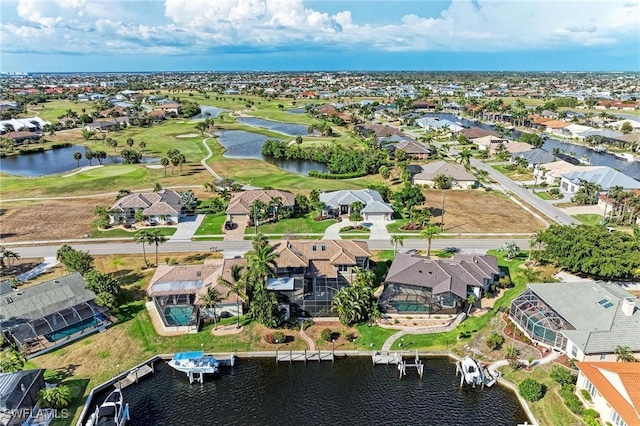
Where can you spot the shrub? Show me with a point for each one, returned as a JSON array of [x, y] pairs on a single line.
[[562, 376], [307, 323], [531, 390], [586, 395], [276, 337], [505, 282], [58, 397], [571, 399], [326, 334], [494, 341]]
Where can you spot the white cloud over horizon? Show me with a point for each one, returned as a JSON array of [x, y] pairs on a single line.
[[200, 26]]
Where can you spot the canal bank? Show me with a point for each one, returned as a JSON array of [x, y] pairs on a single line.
[[349, 390]]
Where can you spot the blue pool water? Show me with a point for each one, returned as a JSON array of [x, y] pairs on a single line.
[[178, 315], [72, 329]]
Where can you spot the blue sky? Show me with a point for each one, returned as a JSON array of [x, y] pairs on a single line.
[[232, 35]]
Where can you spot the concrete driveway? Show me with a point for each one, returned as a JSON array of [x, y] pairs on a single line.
[[237, 233], [186, 228], [378, 230]]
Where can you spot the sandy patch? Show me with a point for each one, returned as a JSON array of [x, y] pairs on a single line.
[[155, 166], [83, 169], [188, 135], [227, 330]]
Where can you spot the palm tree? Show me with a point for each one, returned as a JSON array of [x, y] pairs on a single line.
[[143, 237], [536, 240], [156, 238], [464, 157], [430, 232], [397, 239], [77, 156], [511, 354], [88, 155], [210, 300], [142, 145], [165, 162], [624, 354], [262, 264], [236, 285], [471, 300], [510, 249], [6, 257], [11, 360]]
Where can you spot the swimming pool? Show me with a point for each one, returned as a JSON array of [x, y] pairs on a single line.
[[408, 307], [178, 315], [72, 329]]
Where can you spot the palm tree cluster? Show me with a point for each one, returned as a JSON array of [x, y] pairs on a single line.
[[356, 303], [625, 206], [150, 237]]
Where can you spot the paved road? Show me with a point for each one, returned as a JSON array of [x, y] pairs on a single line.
[[465, 244], [552, 212]]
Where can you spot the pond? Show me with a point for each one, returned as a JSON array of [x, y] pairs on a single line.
[[208, 112], [350, 391], [54, 161], [299, 110], [629, 168], [241, 144], [277, 126]]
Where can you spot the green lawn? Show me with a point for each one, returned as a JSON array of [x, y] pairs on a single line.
[[372, 338], [296, 225], [51, 110], [394, 227], [544, 195], [212, 224], [519, 174], [166, 231], [589, 219]]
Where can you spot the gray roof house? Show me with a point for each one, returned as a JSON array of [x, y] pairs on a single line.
[[375, 208], [535, 156], [586, 320], [421, 285], [159, 207], [604, 176], [459, 176], [19, 395], [44, 316]]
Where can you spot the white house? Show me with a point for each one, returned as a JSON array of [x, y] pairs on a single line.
[[605, 177], [614, 390], [375, 208]]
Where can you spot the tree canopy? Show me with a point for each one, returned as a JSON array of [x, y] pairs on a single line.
[[592, 250]]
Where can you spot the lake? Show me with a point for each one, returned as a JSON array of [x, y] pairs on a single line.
[[277, 126], [208, 112], [241, 144], [54, 161], [350, 391], [629, 168]]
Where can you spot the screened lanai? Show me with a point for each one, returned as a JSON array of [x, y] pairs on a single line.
[[47, 314], [403, 298], [539, 321]]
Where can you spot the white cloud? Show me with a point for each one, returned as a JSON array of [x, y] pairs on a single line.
[[203, 25]]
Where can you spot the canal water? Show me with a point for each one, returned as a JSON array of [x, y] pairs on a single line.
[[55, 161], [629, 168], [350, 391], [241, 144], [208, 112]]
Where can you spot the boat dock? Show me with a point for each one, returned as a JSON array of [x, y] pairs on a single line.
[[386, 358], [486, 377], [134, 375], [290, 356]]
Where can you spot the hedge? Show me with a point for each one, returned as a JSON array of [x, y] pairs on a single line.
[[61, 145], [323, 175]]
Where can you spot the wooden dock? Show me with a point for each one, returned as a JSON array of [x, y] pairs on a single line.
[[290, 356], [133, 376]]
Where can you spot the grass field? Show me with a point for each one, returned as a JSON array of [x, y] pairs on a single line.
[[211, 225], [589, 219], [295, 225], [119, 232], [519, 174]]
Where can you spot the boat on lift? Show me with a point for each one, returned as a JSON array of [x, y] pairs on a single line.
[[112, 412]]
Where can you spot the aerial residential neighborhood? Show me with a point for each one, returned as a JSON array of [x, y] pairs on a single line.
[[435, 245]]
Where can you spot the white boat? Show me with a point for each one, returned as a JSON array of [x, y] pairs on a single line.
[[599, 148], [112, 412], [624, 156], [195, 362], [471, 372]]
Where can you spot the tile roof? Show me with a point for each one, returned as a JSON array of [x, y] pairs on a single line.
[[443, 275], [300, 253], [335, 199], [165, 201], [619, 385], [241, 201], [456, 171]]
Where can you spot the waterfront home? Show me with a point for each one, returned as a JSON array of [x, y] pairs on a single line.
[[162, 207], [534, 157], [23, 137], [489, 143], [239, 208], [414, 150], [309, 273], [460, 177], [614, 390], [177, 293], [585, 320], [32, 124], [416, 284], [375, 209], [604, 177], [169, 107], [635, 124], [47, 315], [19, 395], [436, 124], [476, 132], [378, 130], [551, 173]]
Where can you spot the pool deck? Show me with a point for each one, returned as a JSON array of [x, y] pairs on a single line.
[[163, 330]]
